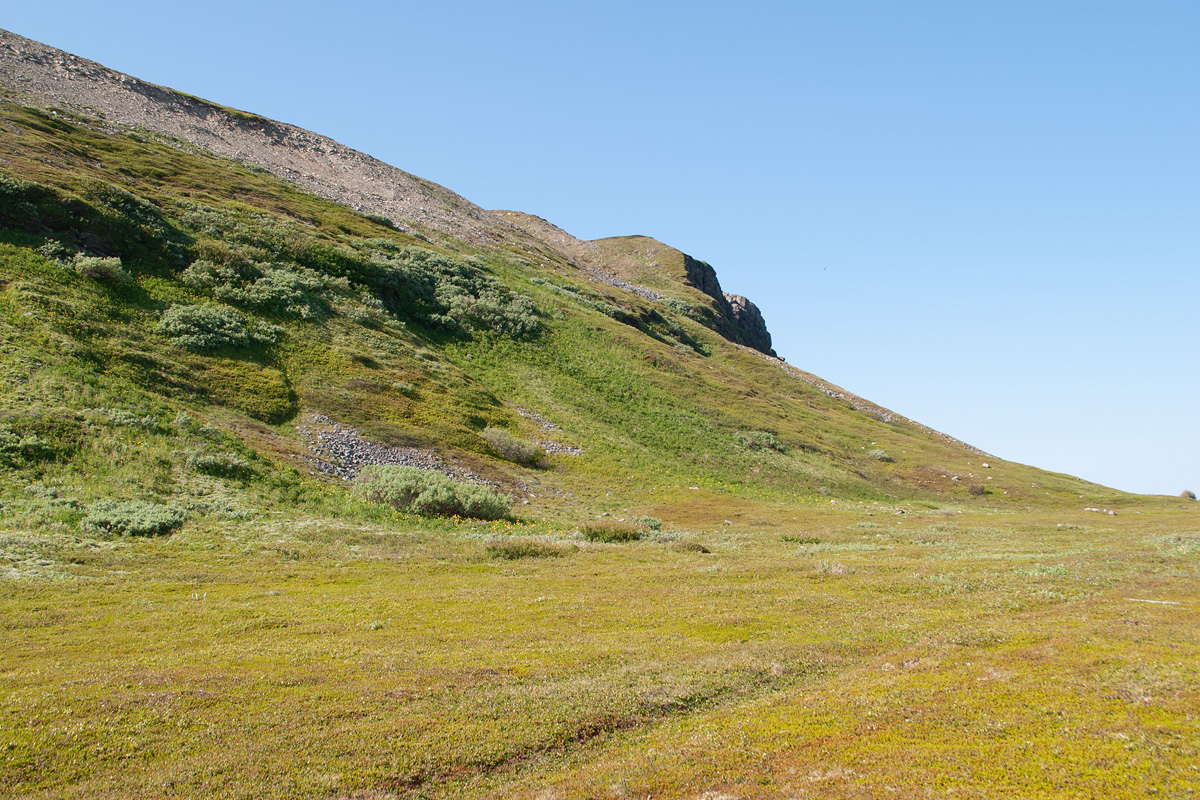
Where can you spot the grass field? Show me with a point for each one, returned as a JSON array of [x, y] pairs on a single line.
[[851, 655]]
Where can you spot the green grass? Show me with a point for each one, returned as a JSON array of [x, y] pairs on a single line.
[[244, 658]]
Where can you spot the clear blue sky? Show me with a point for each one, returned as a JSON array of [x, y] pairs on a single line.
[[985, 216]]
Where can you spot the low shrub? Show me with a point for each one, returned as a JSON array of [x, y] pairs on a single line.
[[127, 419], [443, 292], [18, 447], [279, 290], [511, 448], [977, 490], [683, 307], [380, 219], [55, 250], [1188, 494], [429, 493], [611, 531], [513, 548], [132, 518], [648, 523], [225, 465], [880, 455], [689, 547], [758, 440], [212, 327], [204, 274], [108, 271]]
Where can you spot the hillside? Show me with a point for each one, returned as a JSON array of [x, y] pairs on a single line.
[[211, 323], [619, 352]]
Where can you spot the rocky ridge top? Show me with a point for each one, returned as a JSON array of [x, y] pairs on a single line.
[[38, 75]]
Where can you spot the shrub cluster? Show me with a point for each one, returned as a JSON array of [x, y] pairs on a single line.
[[283, 289], [511, 448], [610, 530], [225, 465], [431, 288], [380, 219], [108, 271], [759, 440], [880, 455], [452, 295], [522, 547], [132, 518], [16, 447], [1188, 494], [212, 327], [110, 220], [127, 419], [683, 307], [429, 493]]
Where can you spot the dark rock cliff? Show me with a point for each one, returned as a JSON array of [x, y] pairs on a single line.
[[738, 320]]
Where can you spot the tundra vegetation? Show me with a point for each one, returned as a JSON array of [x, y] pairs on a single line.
[[788, 596]]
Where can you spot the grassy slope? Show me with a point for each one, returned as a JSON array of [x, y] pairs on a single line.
[[290, 641]]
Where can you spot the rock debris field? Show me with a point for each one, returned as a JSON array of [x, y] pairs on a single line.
[[550, 446], [339, 450]]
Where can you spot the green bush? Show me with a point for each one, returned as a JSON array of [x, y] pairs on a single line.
[[429, 493], [1188, 494], [127, 419], [380, 219], [132, 518], [17, 447], [55, 250], [108, 271], [226, 465], [522, 547], [445, 293], [682, 307], [510, 447], [610, 530], [759, 440], [279, 290], [283, 289], [880, 455], [648, 523], [204, 274], [212, 327]]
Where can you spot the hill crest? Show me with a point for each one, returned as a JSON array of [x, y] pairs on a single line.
[[44, 76]]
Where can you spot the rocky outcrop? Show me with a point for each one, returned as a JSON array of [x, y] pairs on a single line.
[[703, 277], [739, 320], [747, 317]]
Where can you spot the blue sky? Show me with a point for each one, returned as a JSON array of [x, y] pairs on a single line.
[[985, 216]]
